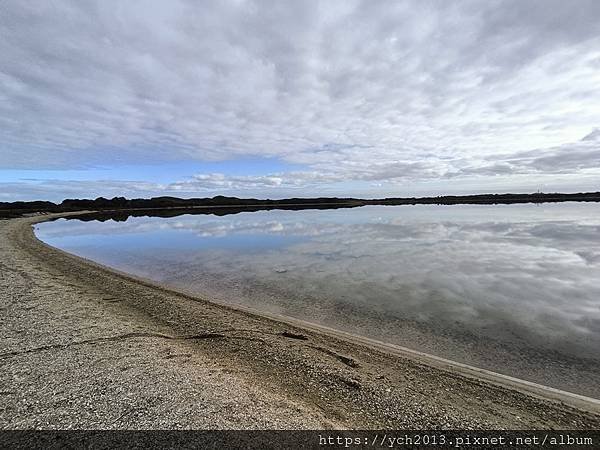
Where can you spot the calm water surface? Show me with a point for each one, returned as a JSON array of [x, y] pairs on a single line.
[[512, 288]]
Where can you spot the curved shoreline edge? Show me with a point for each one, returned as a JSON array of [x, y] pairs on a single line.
[[546, 392], [337, 343]]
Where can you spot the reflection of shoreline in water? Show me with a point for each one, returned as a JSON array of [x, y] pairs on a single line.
[[485, 293], [122, 216]]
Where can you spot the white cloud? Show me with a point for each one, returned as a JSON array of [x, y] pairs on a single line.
[[359, 90]]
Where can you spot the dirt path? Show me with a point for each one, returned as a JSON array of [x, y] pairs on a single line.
[[85, 347]]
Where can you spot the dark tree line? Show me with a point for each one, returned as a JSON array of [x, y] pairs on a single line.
[[15, 209]]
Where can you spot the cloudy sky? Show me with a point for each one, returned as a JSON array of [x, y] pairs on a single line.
[[299, 98]]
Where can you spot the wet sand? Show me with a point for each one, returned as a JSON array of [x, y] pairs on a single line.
[[82, 346]]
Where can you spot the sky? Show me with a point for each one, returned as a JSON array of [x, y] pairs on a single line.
[[275, 99]]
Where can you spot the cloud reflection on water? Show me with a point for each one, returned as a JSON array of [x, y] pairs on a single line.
[[512, 273]]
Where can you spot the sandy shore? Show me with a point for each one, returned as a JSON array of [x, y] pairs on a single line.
[[82, 346]]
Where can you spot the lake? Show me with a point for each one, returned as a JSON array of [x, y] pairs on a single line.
[[510, 288]]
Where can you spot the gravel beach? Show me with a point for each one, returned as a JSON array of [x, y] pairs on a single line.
[[85, 347]]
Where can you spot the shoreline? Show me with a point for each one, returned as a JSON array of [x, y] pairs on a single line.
[[122, 205], [339, 380], [542, 391]]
